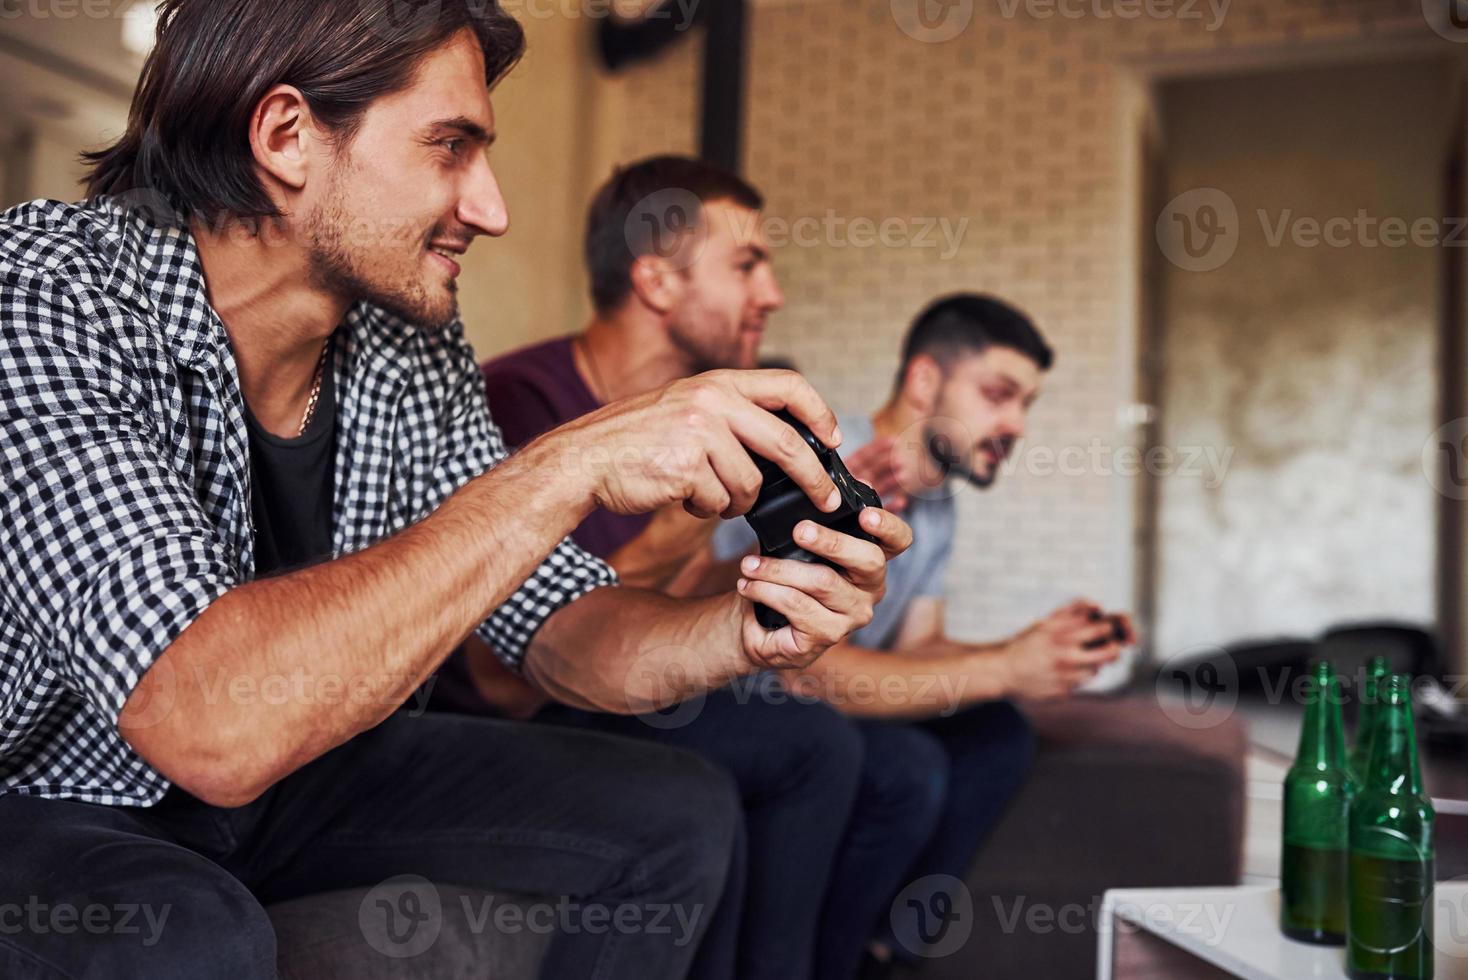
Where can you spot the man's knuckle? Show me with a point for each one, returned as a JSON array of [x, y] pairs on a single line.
[[695, 421], [707, 393], [791, 442]]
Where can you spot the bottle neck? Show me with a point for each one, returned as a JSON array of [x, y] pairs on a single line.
[[1373, 687], [1369, 706], [1322, 739], [1393, 767]]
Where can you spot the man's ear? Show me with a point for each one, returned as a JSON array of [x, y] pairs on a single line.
[[922, 381], [656, 283], [283, 137]]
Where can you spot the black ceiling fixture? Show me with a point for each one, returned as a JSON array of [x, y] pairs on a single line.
[[721, 124]]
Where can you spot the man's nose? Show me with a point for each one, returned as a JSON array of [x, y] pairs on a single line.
[[481, 205], [1014, 423], [771, 297]]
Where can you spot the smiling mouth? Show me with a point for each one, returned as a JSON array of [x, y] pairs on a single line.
[[446, 255]]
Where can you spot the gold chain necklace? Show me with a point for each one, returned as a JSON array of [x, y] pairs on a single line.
[[315, 389]]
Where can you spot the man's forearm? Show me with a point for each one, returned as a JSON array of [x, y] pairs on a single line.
[[630, 651], [346, 641], [936, 677]]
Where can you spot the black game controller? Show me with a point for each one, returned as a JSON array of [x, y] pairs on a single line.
[[782, 505], [1118, 630]]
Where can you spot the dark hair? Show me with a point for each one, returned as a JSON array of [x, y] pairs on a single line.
[[970, 323], [187, 133], [615, 239]]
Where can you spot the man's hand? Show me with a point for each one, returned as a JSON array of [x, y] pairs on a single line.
[[824, 605], [671, 540], [686, 443], [632, 651], [885, 471], [1054, 656]]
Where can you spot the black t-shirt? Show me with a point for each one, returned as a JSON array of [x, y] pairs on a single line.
[[292, 483]]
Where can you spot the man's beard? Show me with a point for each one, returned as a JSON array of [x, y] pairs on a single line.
[[703, 350], [949, 463], [336, 268]]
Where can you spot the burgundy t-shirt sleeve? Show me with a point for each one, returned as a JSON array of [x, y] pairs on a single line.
[[534, 390]]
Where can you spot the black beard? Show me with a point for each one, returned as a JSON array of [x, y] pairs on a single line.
[[941, 451]]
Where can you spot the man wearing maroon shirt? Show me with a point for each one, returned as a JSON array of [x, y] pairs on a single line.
[[659, 317], [681, 282]]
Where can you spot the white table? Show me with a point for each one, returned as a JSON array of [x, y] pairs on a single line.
[[1234, 932]]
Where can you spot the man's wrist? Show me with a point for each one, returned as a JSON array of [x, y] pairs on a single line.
[[731, 609], [567, 478], [997, 662]]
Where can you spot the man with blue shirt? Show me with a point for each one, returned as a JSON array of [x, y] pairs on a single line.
[[945, 749]]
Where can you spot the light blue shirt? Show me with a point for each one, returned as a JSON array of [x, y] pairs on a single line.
[[916, 573]]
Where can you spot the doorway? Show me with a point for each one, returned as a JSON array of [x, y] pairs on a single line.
[[1293, 350]]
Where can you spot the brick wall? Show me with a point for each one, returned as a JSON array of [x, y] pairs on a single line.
[[1020, 130]]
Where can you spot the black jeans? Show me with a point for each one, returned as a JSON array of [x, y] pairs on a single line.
[[797, 765], [930, 792], [499, 805]]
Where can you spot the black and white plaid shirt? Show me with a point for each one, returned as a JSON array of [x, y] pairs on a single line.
[[124, 479]]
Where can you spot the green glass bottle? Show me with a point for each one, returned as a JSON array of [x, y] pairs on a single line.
[[1317, 798], [1392, 858], [1368, 710]]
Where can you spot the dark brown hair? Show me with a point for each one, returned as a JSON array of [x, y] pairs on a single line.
[[615, 238], [970, 323], [187, 134]]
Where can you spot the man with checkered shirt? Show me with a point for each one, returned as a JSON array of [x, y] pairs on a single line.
[[251, 497]]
